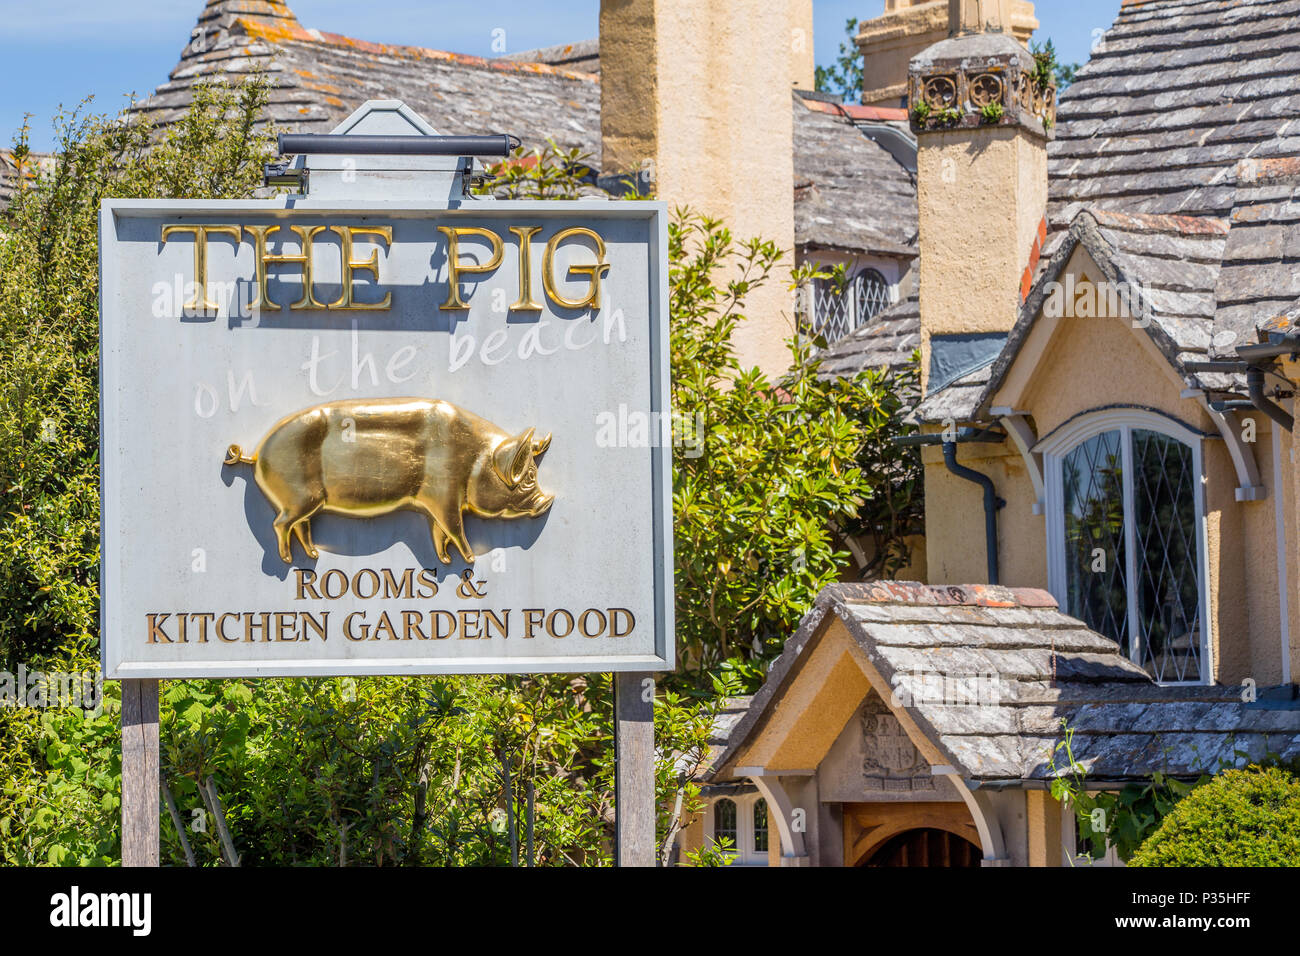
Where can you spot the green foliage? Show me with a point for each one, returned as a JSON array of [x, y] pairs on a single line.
[[1247, 817], [548, 172], [992, 112], [921, 112], [779, 466], [844, 76], [1050, 71], [1121, 818]]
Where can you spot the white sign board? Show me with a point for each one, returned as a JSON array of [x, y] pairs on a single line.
[[323, 453]]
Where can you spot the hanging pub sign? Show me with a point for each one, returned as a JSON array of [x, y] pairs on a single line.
[[384, 436]]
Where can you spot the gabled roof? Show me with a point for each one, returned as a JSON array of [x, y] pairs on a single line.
[[1168, 265], [1168, 140], [1019, 668]]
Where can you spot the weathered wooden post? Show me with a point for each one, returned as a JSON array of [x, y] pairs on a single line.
[[634, 769], [140, 785]]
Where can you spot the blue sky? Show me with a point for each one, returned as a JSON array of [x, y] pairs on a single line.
[[58, 51]]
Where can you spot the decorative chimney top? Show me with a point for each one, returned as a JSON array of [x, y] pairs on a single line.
[[980, 76]]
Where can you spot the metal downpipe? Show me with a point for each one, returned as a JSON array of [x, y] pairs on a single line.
[[991, 504]]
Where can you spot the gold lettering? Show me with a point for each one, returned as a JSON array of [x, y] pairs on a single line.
[[502, 623], [203, 620], [306, 580], [330, 576], [404, 589], [284, 621], [455, 267], [156, 621], [533, 617], [350, 265], [265, 625], [201, 234], [613, 622], [306, 237], [550, 623], [321, 627], [356, 584], [582, 623], [465, 622], [593, 272], [429, 581], [385, 624], [437, 625], [347, 626], [221, 629], [411, 622], [526, 302]]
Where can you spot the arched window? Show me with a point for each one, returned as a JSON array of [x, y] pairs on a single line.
[[724, 821], [760, 825], [835, 314], [870, 293], [1125, 536]]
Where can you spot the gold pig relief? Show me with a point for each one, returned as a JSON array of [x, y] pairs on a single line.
[[368, 457]]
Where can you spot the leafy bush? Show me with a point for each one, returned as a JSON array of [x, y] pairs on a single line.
[[1245, 817]]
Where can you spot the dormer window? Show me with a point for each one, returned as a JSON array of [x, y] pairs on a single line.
[[836, 314], [1126, 542]]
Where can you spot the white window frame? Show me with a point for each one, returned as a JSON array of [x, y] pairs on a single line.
[[1070, 839], [744, 853], [1059, 444]]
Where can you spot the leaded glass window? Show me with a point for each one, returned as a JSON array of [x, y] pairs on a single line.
[[724, 821], [760, 825], [836, 313], [1131, 541]]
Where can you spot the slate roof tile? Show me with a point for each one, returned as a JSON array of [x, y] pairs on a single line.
[[925, 641]]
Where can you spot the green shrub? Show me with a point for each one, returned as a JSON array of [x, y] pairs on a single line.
[[1245, 817]]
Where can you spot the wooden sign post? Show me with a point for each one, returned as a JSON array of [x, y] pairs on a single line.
[[140, 810], [634, 769]]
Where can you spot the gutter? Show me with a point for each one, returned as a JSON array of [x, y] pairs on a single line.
[[1251, 363]]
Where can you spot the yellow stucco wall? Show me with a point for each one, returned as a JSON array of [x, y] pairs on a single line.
[[1073, 365], [701, 92]]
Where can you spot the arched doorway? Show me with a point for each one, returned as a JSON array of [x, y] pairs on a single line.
[[925, 846]]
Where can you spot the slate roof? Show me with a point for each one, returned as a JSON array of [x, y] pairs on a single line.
[[1168, 264], [850, 194], [1038, 667], [1169, 140], [849, 197], [1259, 281], [1174, 95], [888, 340], [318, 79]]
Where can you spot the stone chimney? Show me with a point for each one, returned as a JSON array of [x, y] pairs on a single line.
[[697, 96], [982, 121], [889, 42]]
